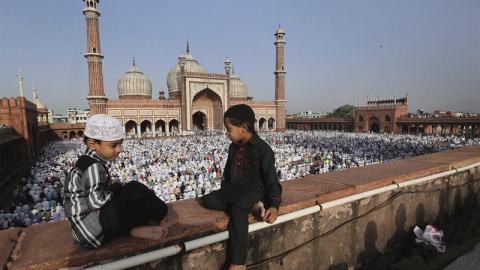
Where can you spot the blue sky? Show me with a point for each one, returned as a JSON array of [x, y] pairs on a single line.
[[336, 51]]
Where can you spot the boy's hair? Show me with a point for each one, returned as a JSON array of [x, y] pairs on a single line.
[[241, 114], [238, 123], [85, 139]]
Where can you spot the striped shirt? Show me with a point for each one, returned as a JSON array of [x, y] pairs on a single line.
[[87, 190]]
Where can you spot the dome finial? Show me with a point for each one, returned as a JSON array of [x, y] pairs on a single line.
[[134, 61], [188, 46], [233, 70]]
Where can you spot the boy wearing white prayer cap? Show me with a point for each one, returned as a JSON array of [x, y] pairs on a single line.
[[100, 208]]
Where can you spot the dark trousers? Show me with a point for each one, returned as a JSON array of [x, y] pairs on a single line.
[[238, 206], [133, 206]]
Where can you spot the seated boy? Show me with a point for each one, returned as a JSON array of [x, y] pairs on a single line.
[[249, 178], [100, 208]]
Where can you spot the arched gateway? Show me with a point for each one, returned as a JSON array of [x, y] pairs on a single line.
[[374, 124], [207, 111]]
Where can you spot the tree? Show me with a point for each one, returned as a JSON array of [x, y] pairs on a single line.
[[344, 111]]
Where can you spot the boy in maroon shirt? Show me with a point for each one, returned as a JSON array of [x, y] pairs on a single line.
[[250, 182]]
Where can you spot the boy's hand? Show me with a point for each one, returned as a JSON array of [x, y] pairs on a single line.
[[113, 181], [258, 211], [271, 215]]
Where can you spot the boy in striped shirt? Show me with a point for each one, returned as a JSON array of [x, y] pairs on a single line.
[[100, 208]]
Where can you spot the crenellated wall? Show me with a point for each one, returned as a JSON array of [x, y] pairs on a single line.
[[339, 220], [20, 115]]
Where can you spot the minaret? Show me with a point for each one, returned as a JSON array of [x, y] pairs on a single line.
[[227, 72], [183, 96], [20, 83], [96, 95], [34, 91], [280, 100]]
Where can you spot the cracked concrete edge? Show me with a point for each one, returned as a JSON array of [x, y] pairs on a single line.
[[17, 238]]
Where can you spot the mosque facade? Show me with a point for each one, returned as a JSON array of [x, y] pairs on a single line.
[[196, 99]]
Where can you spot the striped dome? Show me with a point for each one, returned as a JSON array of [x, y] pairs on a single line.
[[134, 83], [191, 65], [238, 89]]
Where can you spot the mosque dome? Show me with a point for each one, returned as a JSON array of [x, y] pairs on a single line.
[[191, 65], [238, 89], [134, 84], [40, 105]]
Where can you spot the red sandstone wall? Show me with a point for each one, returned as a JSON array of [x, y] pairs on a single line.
[[348, 236]]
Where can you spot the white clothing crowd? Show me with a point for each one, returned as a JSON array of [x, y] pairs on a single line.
[[188, 167]]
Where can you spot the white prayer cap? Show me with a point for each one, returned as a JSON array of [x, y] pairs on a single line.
[[104, 127]]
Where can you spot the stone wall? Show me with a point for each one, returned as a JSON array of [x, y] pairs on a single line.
[[348, 235]]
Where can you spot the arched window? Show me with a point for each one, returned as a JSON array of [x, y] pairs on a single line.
[[387, 118], [360, 118]]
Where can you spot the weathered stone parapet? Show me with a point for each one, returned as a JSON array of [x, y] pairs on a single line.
[[347, 235]]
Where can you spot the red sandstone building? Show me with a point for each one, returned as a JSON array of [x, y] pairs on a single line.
[[380, 115], [196, 99], [23, 131], [389, 116]]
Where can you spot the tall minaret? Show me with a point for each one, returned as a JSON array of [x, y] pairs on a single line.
[[280, 72], [20, 83], [96, 95], [227, 72], [34, 91]]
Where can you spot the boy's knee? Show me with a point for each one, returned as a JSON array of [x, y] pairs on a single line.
[[207, 201], [238, 210], [164, 209], [210, 201]]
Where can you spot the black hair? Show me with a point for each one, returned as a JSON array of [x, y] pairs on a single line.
[[85, 139], [238, 123]]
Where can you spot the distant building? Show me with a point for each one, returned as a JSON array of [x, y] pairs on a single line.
[[77, 116], [50, 116], [309, 114], [380, 115], [59, 119]]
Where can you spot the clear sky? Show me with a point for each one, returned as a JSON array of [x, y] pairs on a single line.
[[336, 51]]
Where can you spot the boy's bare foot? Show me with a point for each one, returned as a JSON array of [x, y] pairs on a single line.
[[149, 232], [258, 210], [236, 267]]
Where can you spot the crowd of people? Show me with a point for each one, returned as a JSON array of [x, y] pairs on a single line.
[[180, 168]]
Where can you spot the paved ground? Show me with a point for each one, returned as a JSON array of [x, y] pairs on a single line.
[[454, 229], [470, 261]]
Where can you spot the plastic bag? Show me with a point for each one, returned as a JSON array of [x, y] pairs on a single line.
[[431, 236]]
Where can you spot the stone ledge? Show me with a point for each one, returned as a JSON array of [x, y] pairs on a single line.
[[8, 238], [50, 246]]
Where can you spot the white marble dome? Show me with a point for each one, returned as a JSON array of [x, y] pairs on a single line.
[[191, 65], [134, 83], [40, 104], [238, 89]]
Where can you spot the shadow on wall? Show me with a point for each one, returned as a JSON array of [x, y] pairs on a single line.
[[442, 205], [400, 233], [371, 252]]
